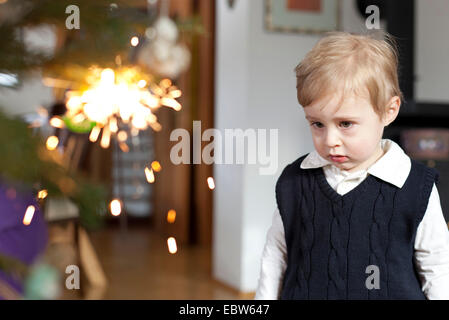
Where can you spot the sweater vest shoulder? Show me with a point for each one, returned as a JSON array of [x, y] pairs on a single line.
[[354, 246]]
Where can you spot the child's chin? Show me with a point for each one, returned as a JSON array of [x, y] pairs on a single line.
[[347, 166]]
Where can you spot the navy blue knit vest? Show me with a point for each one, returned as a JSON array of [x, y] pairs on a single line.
[[332, 239]]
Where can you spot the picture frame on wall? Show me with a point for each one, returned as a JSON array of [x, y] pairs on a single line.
[[302, 16]]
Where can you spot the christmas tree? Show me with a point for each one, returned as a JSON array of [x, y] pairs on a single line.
[[134, 38]]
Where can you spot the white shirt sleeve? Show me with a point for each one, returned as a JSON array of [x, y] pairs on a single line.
[[432, 250], [274, 261]]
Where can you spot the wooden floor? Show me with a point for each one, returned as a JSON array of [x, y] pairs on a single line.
[[138, 265]]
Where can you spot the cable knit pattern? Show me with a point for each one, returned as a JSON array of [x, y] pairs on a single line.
[[389, 217], [378, 239], [431, 176], [337, 254], [331, 238], [307, 212]]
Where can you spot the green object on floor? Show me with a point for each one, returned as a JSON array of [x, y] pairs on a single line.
[[43, 283]]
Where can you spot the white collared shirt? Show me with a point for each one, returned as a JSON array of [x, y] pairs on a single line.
[[431, 246]]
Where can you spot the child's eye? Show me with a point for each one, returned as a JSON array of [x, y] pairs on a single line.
[[317, 124], [346, 124]]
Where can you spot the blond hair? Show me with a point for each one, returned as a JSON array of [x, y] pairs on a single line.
[[349, 63]]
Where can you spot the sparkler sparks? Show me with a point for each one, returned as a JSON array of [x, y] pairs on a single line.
[[134, 41], [211, 183], [172, 248], [57, 122], [171, 216], [42, 194], [29, 213], [52, 143], [116, 207], [120, 97], [156, 166], [149, 174]]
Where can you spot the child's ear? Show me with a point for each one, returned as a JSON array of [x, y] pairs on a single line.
[[392, 110]]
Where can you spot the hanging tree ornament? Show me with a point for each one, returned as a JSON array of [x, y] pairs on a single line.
[[162, 53]]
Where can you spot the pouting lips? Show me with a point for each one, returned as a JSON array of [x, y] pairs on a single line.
[[339, 158]]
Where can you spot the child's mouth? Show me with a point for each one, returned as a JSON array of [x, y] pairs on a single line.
[[339, 159]]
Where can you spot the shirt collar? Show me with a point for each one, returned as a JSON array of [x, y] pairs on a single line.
[[393, 167]]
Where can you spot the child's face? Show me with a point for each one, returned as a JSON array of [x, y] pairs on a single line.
[[352, 132]]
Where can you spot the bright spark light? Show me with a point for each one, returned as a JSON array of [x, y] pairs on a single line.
[[106, 138], [156, 166], [134, 41], [169, 102], [171, 216], [149, 174], [175, 93], [122, 136], [52, 143], [42, 194], [116, 207], [124, 147], [107, 77], [29, 213], [57, 122], [211, 183], [172, 248], [115, 98], [94, 134], [142, 84], [113, 125]]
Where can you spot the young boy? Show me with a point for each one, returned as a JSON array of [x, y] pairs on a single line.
[[357, 218]]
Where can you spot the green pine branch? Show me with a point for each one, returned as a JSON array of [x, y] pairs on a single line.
[[13, 267], [103, 33], [26, 161]]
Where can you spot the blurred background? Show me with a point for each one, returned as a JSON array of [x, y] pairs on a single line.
[[92, 205]]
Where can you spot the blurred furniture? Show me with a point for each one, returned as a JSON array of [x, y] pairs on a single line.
[[129, 180], [68, 242]]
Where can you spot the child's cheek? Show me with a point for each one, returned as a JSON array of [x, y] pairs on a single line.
[[317, 137], [353, 132]]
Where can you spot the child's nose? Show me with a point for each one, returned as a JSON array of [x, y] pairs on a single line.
[[333, 139]]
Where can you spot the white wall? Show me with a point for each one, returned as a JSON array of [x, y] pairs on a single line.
[[432, 51], [232, 98], [255, 88]]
